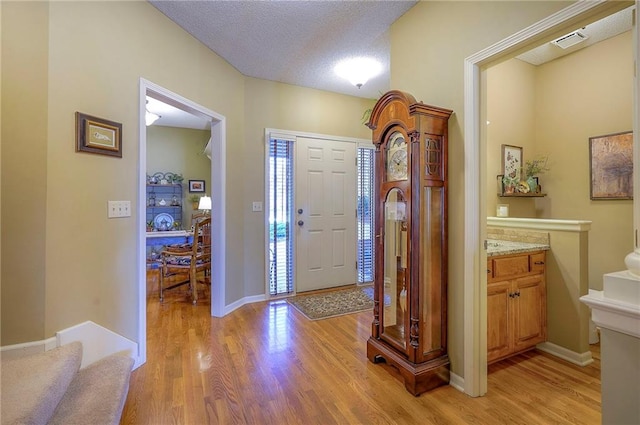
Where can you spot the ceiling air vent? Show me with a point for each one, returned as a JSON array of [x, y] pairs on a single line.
[[570, 39]]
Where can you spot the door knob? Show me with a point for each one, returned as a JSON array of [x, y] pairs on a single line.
[[300, 211], [300, 222]]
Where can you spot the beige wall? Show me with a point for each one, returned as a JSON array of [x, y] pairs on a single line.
[[428, 46], [180, 150], [24, 169], [567, 281], [81, 265], [285, 107], [586, 94], [511, 115]]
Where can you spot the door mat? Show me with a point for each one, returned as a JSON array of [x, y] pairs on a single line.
[[334, 303]]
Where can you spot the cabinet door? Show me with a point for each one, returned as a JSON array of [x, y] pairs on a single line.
[[530, 321], [499, 320]]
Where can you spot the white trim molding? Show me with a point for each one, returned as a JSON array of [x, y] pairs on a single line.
[[97, 342], [246, 300], [27, 348], [613, 314], [540, 224], [580, 359]]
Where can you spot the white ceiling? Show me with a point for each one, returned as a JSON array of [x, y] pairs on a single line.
[[299, 42]]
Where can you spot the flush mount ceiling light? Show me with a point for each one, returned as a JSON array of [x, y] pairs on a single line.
[[358, 70]]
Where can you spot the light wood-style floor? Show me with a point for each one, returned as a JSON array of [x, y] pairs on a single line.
[[265, 363]]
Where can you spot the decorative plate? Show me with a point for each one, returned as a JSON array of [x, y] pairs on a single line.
[[163, 221]]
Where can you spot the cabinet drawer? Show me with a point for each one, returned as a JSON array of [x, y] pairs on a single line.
[[510, 266], [537, 262]]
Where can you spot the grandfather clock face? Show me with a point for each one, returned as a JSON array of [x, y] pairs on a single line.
[[397, 158]]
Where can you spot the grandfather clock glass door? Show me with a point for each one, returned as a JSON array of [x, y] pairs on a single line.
[[395, 269]]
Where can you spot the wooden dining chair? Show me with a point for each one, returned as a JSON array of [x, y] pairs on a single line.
[[190, 259]]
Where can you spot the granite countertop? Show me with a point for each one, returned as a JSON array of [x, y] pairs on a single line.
[[499, 247]]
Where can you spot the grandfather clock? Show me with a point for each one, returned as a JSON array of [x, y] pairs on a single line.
[[409, 329]]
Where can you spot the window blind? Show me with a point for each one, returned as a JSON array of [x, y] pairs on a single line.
[[280, 214], [365, 216]]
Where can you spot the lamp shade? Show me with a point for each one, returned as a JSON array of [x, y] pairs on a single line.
[[205, 203]]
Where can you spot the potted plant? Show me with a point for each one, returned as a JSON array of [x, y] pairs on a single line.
[[533, 168], [195, 200], [150, 226], [510, 184]]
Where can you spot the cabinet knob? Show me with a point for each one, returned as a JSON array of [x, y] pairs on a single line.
[[300, 222], [538, 263], [488, 270]]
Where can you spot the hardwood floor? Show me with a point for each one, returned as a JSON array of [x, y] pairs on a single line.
[[267, 364]]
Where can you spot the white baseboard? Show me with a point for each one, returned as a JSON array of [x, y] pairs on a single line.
[[580, 359], [97, 342], [27, 348], [246, 300], [456, 382]]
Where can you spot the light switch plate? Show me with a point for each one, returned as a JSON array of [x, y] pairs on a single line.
[[257, 206], [117, 209]]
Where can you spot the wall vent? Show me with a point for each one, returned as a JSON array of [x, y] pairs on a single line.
[[570, 39]]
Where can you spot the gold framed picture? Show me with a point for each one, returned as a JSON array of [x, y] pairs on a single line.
[[611, 166], [97, 135]]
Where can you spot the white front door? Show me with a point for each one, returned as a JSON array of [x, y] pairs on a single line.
[[325, 215]]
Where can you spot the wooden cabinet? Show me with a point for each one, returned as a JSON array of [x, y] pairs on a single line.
[[516, 304], [409, 330]]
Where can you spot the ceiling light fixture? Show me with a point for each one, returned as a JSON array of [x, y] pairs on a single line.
[[358, 70]]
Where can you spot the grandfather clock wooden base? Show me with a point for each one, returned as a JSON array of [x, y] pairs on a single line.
[[409, 328], [418, 378]]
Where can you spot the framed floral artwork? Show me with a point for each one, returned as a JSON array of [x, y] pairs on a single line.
[[511, 161]]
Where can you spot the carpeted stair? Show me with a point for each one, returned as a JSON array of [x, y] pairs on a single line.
[[50, 388]]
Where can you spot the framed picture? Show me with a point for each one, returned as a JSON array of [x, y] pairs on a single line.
[[97, 135], [511, 161], [611, 166], [196, 186]]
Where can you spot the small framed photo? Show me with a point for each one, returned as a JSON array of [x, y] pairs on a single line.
[[611, 166], [196, 186], [511, 161], [97, 135]]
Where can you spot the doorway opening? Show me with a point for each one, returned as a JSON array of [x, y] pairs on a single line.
[[217, 176], [475, 284]]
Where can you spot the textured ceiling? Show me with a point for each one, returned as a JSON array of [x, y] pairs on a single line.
[[294, 42], [299, 42]]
